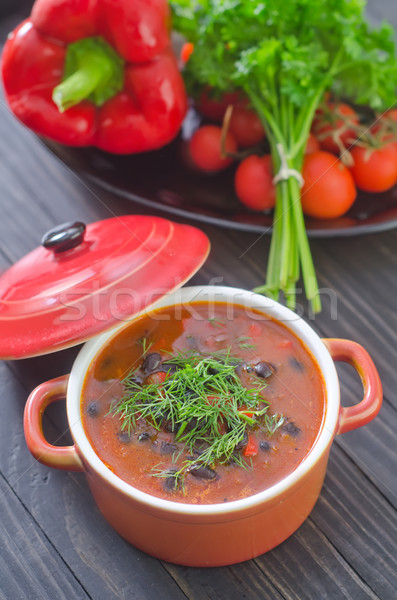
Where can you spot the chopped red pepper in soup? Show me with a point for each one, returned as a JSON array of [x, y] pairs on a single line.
[[203, 404]]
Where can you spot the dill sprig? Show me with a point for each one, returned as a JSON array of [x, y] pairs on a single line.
[[216, 322], [245, 343], [272, 423], [205, 402]]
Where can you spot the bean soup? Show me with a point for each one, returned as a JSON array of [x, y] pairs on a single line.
[[204, 403]]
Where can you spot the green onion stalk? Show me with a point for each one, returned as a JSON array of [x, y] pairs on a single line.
[[289, 249]]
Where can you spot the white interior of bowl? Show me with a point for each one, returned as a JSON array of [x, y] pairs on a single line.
[[231, 296]]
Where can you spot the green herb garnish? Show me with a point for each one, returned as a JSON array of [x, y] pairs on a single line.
[[284, 56], [273, 422], [146, 345], [216, 322], [206, 405], [245, 343]]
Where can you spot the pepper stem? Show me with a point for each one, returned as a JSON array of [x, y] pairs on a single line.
[[93, 71]]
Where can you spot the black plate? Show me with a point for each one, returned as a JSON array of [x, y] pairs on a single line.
[[162, 180]]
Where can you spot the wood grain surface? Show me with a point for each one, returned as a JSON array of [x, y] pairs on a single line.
[[53, 541]]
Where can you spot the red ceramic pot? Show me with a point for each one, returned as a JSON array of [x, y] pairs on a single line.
[[216, 534]]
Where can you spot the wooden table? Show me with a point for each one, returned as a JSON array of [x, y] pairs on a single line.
[[55, 544]]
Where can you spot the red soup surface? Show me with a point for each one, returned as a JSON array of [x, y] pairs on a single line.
[[203, 404]]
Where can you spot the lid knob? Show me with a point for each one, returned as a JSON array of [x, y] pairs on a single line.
[[64, 237]]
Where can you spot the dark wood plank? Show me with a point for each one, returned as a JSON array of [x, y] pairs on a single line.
[[306, 566], [244, 580], [354, 516], [314, 569], [30, 567], [373, 447], [362, 272], [347, 546]]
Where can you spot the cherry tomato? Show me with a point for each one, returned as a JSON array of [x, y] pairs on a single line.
[[329, 189], [389, 116], [313, 145], [375, 170], [385, 128], [214, 108], [337, 119], [246, 127], [391, 119], [186, 51], [253, 182], [157, 378], [205, 148]]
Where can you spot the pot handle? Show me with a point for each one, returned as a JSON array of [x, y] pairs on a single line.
[[360, 414], [59, 457]]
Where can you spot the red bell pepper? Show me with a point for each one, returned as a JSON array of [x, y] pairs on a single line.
[[96, 72], [251, 449]]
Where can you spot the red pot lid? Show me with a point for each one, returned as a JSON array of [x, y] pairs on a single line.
[[83, 281]]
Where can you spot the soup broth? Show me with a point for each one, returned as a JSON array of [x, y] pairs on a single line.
[[221, 439]]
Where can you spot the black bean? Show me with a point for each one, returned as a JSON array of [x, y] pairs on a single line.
[[151, 362], [212, 371], [171, 427], [203, 472], [296, 364], [170, 483], [167, 448], [169, 368], [124, 437], [199, 447], [191, 424], [162, 418], [136, 379], [265, 446], [239, 369], [234, 459], [291, 429], [243, 442], [190, 393], [264, 369], [93, 409], [192, 341], [144, 436]]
